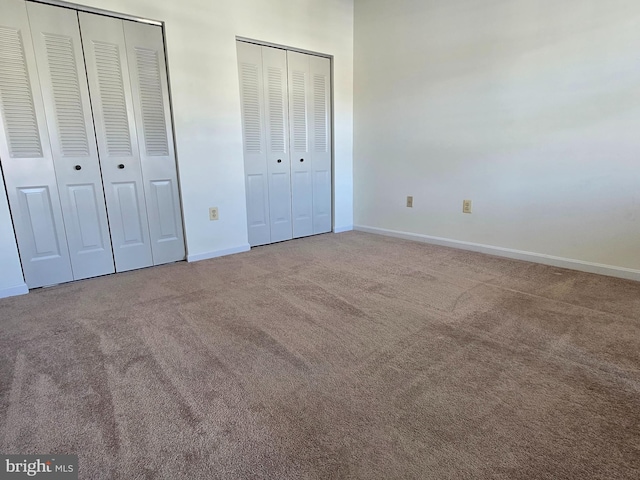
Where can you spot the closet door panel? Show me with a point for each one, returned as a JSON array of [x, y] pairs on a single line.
[[147, 70], [58, 49], [111, 99], [128, 213], [320, 134], [25, 153], [257, 207], [250, 72], [301, 160], [274, 63]]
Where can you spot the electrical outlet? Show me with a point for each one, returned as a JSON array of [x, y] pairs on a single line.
[[213, 213], [410, 201], [466, 206]]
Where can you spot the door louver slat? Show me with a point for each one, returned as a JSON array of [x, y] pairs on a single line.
[[112, 97], [299, 111], [320, 113], [276, 110], [153, 120], [66, 94], [16, 98], [251, 110]]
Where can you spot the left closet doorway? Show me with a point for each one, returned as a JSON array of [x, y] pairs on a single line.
[[86, 143]]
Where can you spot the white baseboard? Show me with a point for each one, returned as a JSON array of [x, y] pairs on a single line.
[[346, 228], [570, 263], [13, 291], [218, 253]]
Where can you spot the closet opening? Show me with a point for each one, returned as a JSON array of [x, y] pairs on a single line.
[[86, 142], [286, 106]]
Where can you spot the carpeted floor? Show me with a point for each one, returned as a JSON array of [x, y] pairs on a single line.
[[336, 356]]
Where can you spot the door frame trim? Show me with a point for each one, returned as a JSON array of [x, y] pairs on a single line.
[[99, 11], [280, 46]]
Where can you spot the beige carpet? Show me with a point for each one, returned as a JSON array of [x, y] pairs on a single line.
[[336, 356]]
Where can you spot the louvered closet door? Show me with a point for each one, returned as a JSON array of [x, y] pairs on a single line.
[[255, 165], [310, 118], [274, 65], [56, 40], [320, 135], [145, 53], [111, 99], [301, 160], [26, 158]]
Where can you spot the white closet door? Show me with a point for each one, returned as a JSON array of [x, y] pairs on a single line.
[[286, 119], [56, 41], [109, 85], [147, 68], [26, 158], [256, 173], [301, 160], [320, 135], [274, 65]]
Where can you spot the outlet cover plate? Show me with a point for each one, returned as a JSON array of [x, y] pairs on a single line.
[[213, 213]]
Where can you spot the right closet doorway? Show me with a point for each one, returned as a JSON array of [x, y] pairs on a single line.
[[286, 124]]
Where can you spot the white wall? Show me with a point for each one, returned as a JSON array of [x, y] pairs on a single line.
[[201, 50], [530, 108], [11, 280]]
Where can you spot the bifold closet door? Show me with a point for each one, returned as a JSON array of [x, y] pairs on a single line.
[[320, 132], [147, 68], [263, 96], [255, 162], [62, 73], [105, 55], [274, 64], [310, 114], [58, 50], [127, 76], [27, 162]]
